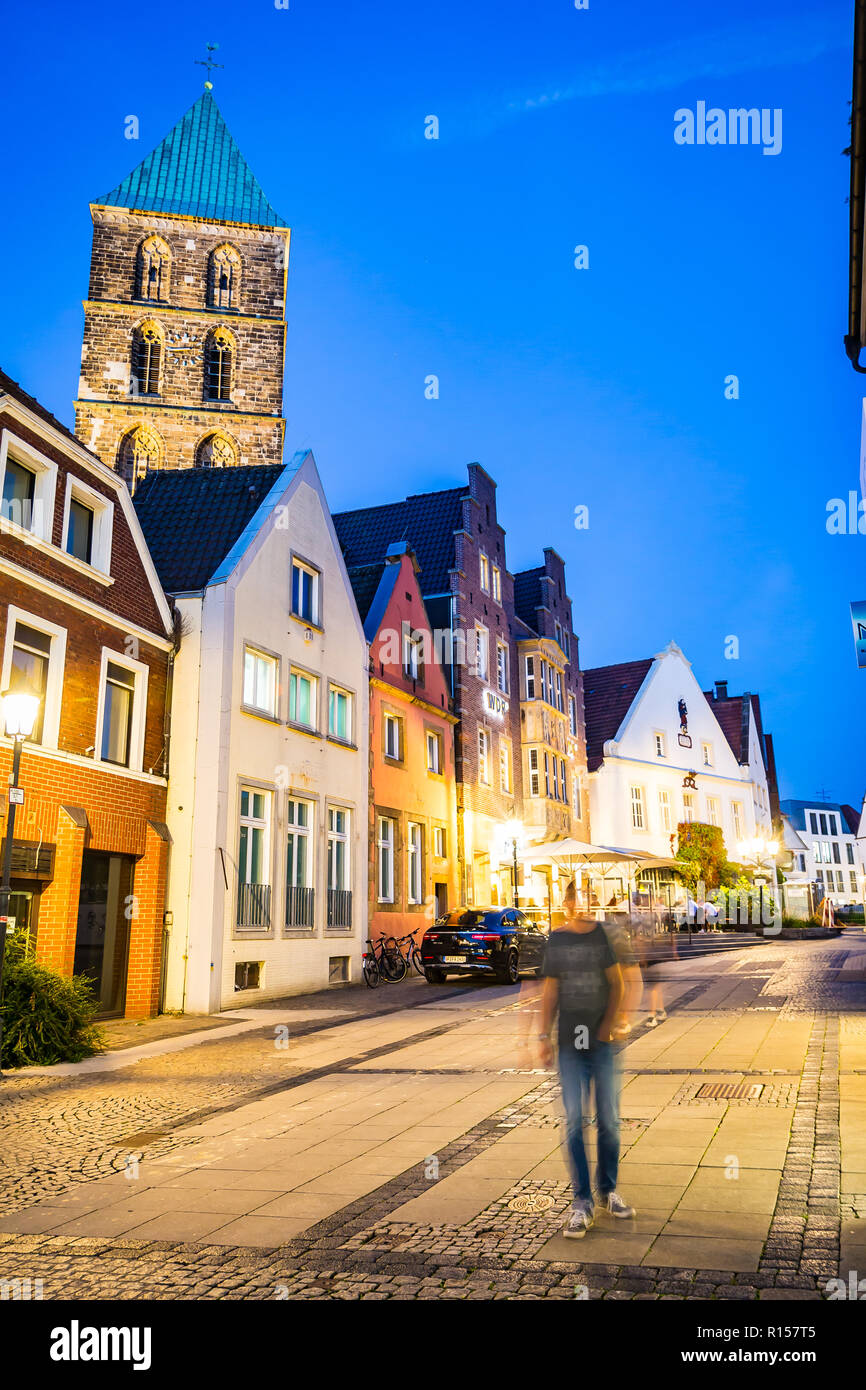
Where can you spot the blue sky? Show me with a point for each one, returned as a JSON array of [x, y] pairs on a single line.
[[601, 387]]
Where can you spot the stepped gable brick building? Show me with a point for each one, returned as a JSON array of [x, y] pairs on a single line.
[[511, 656], [85, 626], [184, 323]]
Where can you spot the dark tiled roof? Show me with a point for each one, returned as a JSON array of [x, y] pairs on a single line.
[[608, 693], [426, 520], [732, 713], [191, 517], [365, 581], [851, 816], [527, 595], [10, 387], [196, 171]]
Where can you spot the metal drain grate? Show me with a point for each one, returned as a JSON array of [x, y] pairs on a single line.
[[730, 1090], [531, 1202]]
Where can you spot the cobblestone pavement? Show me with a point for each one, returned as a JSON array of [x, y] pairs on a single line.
[[61, 1132]]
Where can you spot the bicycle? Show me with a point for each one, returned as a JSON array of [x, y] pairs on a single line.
[[411, 953], [387, 963]]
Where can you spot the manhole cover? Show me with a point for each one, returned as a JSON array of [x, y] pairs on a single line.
[[531, 1202], [728, 1090]]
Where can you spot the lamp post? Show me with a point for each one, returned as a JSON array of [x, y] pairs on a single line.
[[763, 852], [513, 833], [19, 717]]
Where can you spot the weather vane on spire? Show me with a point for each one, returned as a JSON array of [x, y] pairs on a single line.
[[209, 63]]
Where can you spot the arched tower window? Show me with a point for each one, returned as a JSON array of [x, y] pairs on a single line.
[[216, 451], [146, 359], [140, 450], [218, 366], [154, 270], [224, 278]]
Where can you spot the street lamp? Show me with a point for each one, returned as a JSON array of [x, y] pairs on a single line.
[[513, 834], [20, 712], [762, 851]]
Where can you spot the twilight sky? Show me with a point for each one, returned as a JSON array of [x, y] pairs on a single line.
[[602, 387]]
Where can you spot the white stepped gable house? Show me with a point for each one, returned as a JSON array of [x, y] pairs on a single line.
[[659, 751], [269, 771]]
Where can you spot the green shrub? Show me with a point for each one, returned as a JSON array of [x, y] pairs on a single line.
[[47, 1018]]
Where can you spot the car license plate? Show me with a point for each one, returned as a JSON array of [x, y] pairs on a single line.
[[454, 960]]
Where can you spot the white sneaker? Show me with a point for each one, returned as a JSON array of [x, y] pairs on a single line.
[[661, 1016], [651, 1021], [580, 1221], [617, 1207]]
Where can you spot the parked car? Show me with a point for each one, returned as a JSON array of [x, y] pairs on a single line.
[[501, 942]]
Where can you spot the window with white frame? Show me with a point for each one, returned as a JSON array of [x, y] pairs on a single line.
[[665, 810], [338, 848], [688, 807], [481, 652], [393, 739], [504, 765], [306, 582], [737, 818], [659, 742], [831, 821], [122, 709], [707, 754], [714, 815], [439, 842], [559, 704], [849, 849], [340, 714], [254, 837], [87, 525], [434, 751], [502, 667], [385, 844], [484, 756], [303, 690], [33, 665], [562, 780], [412, 654], [577, 796], [484, 564], [28, 486], [260, 681], [534, 785], [299, 855], [572, 716], [637, 808], [415, 884], [497, 584], [547, 774], [530, 678]]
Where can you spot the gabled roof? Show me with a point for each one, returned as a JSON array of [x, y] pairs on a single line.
[[796, 810], [196, 171], [427, 521], [10, 387], [852, 817], [608, 694], [527, 595], [733, 714], [192, 517]]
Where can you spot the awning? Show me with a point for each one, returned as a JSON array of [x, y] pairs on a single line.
[[578, 851]]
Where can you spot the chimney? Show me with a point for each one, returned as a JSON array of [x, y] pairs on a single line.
[[721, 690]]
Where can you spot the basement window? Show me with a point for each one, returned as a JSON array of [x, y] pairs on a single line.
[[248, 974], [338, 970]]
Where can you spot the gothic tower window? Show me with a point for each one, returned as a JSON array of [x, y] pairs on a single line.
[[146, 359], [140, 450], [216, 451], [218, 366], [224, 278], [154, 268]]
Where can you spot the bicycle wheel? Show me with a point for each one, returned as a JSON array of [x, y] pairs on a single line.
[[371, 972], [392, 962], [415, 958]]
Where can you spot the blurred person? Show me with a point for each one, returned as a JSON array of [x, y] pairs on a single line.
[[583, 986]]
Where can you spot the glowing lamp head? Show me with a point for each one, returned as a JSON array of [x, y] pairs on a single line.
[[19, 713]]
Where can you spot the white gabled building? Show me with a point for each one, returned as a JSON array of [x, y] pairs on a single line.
[[268, 764], [826, 850], [660, 750]]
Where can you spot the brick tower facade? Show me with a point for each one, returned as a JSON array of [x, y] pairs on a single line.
[[184, 324]]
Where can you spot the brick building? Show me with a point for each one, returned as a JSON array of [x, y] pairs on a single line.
[[412, 864], [85, 626], [512, 659], [184, 323]]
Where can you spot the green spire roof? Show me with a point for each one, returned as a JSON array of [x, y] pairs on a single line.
[[197, 171]]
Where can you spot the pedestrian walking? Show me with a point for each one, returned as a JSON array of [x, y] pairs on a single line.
[[583, 988]]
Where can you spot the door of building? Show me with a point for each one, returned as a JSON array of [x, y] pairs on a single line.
[[105, 909], [440, 895]]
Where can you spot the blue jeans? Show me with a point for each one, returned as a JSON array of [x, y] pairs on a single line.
[[578, 1068]]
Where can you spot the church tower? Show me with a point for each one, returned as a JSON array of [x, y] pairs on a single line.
[[184, 324]]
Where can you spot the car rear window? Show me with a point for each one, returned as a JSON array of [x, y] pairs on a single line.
[[469, 920]]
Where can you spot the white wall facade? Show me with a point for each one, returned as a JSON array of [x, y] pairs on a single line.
[[632, 761], [221, 747], [830, 855]]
